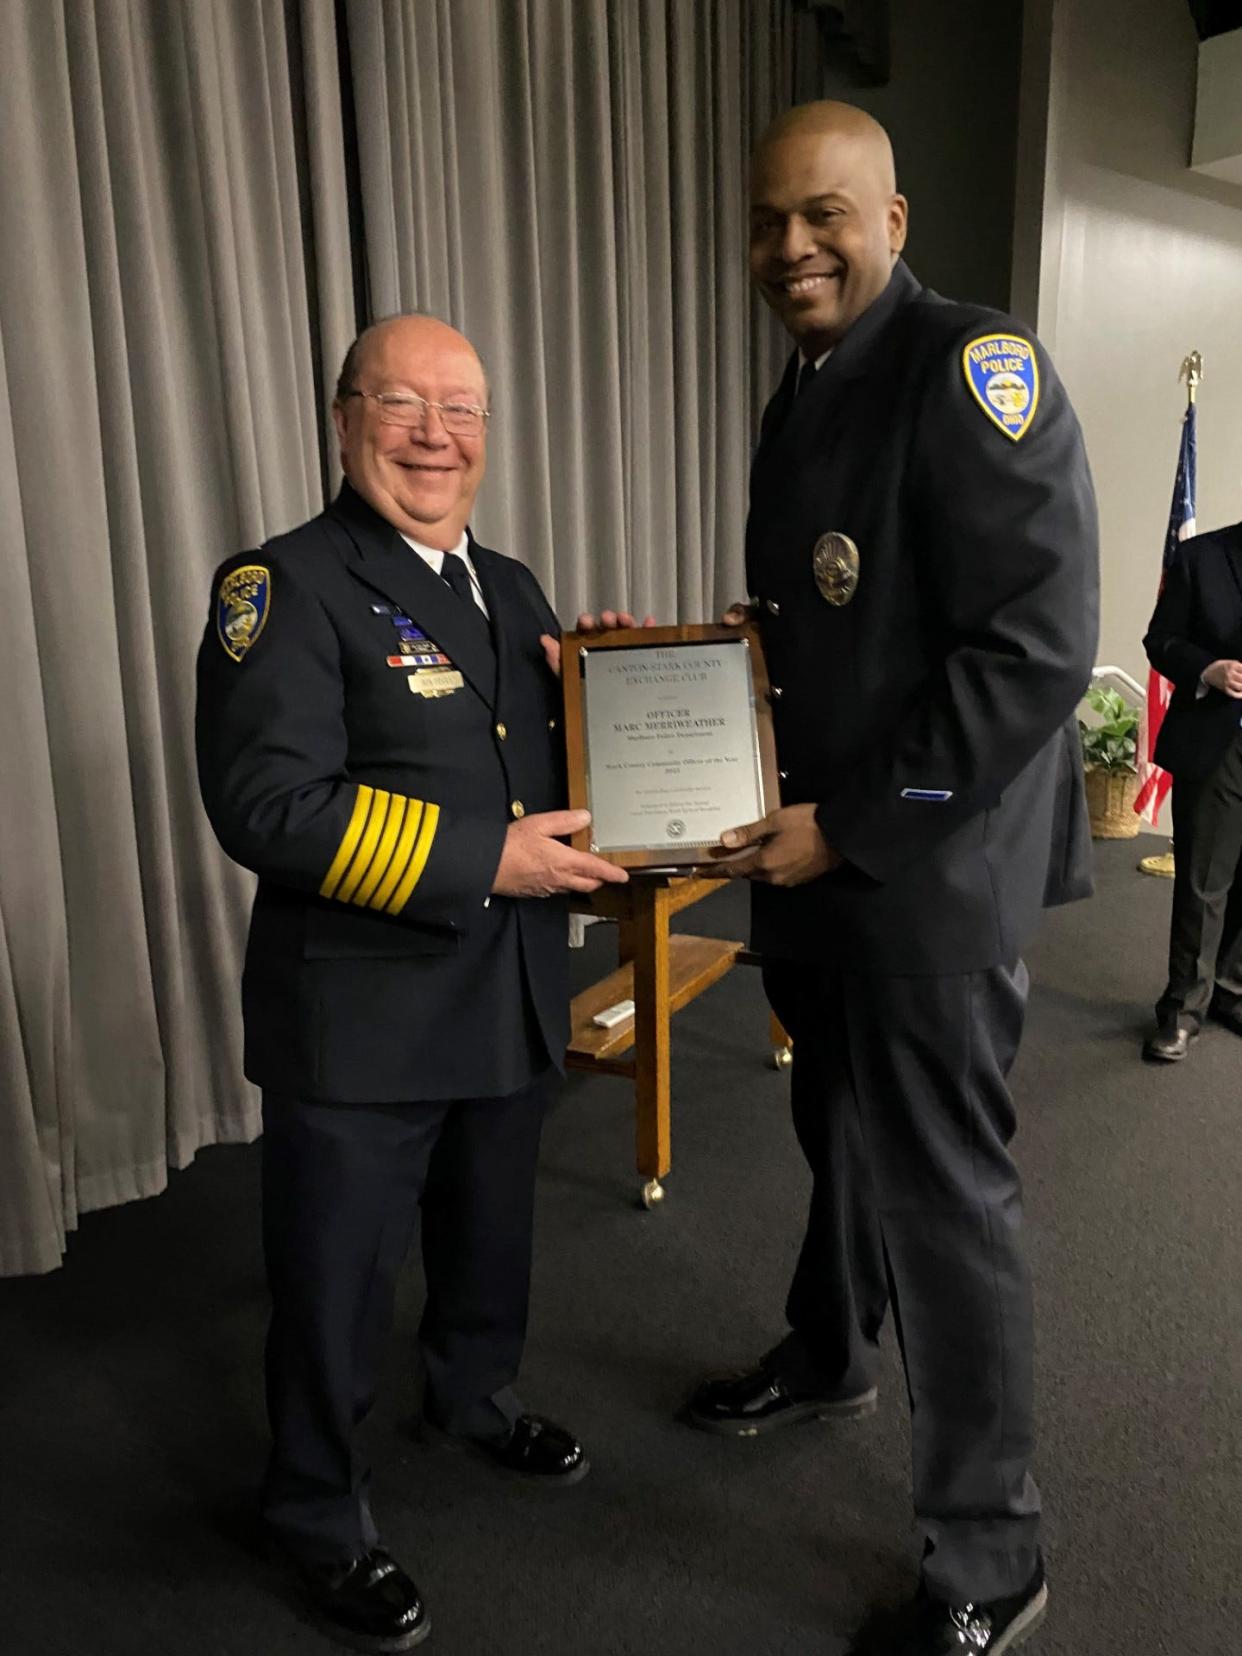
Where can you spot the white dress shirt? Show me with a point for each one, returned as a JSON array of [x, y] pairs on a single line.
[[433, 557]]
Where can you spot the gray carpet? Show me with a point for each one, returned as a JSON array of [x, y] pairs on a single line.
[[130, 1408]]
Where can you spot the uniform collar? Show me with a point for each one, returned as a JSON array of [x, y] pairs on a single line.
[[847, 359]]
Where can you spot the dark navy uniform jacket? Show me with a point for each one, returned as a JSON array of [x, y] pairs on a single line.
[[930, 718], [374, 811], [1198, 620]]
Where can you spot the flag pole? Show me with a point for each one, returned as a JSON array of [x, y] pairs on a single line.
[[1191, 370]]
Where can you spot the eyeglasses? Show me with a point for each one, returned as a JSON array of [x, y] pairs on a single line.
[[403, 408]]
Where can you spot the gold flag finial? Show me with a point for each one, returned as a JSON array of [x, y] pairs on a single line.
[[1192, 372]]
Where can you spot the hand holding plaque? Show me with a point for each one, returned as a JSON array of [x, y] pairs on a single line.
[[669, 736]]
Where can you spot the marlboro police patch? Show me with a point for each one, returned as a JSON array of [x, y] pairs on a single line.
[[1003, 376], [241, 607]]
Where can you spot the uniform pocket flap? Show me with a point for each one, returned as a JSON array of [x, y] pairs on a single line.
[[344, 934]]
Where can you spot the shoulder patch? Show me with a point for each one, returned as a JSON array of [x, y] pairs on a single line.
[[1003, 375], [242, 606]]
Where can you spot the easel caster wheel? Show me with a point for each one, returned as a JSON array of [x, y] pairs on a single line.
[[652, 1193], [782, 1057]]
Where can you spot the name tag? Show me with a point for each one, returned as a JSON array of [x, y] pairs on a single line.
[[435, 681], [931, 796]]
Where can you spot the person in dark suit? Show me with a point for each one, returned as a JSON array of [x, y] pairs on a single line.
[[1193, 639], [378, 740], [921, 550]]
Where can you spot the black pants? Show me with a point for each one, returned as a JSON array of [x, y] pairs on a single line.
[[901, 1107], [342, 1189], [1205, 937]]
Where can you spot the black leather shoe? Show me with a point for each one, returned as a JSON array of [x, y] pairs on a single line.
[[1226, 1012], [929, 1627], [536, 1450], [1170, 1040], [761, 1400], [369, 1604]]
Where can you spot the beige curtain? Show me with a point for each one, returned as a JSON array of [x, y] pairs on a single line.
[[565, 182], [162, 198], [562, 178]]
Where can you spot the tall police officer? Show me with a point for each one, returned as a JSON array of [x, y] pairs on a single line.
[[378, 741], [922, 552], [1193, 639]]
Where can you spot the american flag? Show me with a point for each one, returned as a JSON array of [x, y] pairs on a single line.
[[1154, 783]]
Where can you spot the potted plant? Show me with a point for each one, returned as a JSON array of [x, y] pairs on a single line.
[[1110, 760]]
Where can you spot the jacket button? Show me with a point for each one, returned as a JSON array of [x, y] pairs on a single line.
[[501, 731], [551, 724], [773, 607], [784, 775], [775, 693], [518, 809]]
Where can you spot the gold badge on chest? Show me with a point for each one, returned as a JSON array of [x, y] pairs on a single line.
[[835, 564]]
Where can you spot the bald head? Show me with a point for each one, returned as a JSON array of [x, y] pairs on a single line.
[[402, 378], [826, 224], [842, 124], [417, 329]]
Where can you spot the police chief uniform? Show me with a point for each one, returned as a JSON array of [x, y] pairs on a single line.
[[1198, 621], [921, 550], [365, 735]]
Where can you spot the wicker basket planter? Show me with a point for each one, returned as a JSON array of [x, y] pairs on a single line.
[[1110, 803]]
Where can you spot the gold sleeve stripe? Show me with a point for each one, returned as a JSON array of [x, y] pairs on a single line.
[[418, 861], [401, 856], [366, 850], [383, 854], [349, 840]]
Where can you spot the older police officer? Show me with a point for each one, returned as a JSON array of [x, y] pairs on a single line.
[[378, 740], [921, 547]]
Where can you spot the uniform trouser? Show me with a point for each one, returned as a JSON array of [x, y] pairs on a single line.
[[342, 1190], [901, 1107], [1205, 937]]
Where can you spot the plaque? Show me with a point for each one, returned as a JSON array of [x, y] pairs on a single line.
[[669, 738]]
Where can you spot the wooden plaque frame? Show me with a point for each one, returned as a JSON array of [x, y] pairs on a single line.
[[572, 644]]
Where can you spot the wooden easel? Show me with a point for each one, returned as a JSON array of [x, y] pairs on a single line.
[[660, 973]]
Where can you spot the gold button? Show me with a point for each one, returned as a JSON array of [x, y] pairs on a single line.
[[518, 809], [551, 724], [501, 731]]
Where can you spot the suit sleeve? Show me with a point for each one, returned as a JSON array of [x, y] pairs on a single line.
[[1007, 566], [272, 748], [1170, 649]]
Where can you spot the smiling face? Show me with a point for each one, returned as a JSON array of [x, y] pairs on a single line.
[[421, 478], [826, 222]]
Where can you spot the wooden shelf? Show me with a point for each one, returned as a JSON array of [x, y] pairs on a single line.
[[694, 964]]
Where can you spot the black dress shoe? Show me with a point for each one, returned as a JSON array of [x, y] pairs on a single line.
[[929, 1627], [761, 1400], [368, 1604], [1226, 1012], [1170, 1040], [536, 1450]]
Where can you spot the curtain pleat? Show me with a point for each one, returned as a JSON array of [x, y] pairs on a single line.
[[179, 236]]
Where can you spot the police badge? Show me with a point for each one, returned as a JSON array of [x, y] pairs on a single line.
[[241, 608], [835, 565]]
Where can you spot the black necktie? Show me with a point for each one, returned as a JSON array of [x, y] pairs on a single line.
[[806, 374], [455, 574]]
